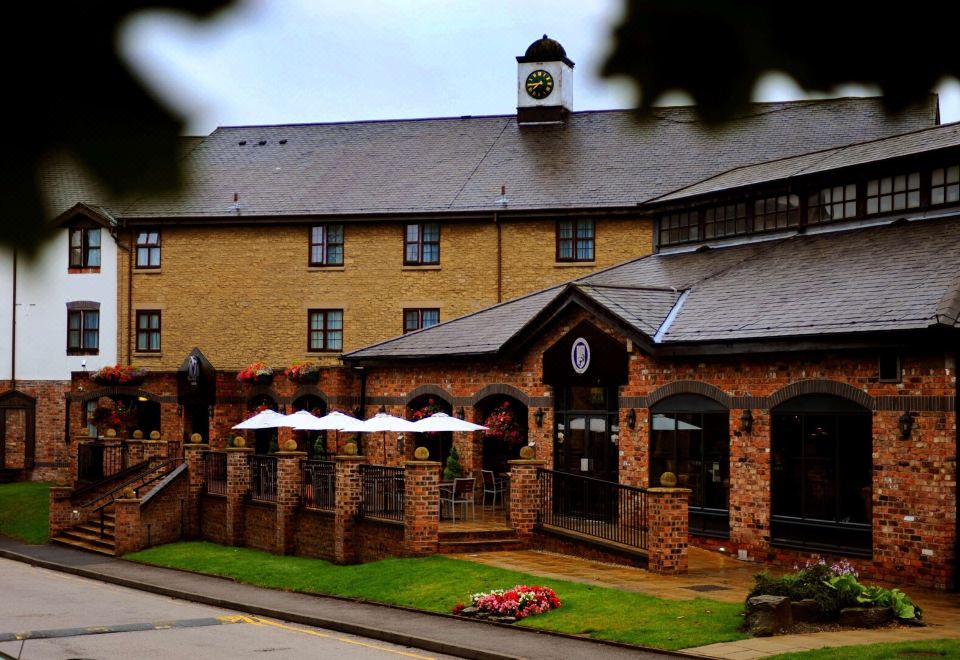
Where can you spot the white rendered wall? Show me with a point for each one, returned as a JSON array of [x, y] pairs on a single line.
[[44, 287]]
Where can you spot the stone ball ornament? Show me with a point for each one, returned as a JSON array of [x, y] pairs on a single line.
[[421, 453]]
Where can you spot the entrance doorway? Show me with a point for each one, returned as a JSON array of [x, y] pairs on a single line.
[[586, 423]]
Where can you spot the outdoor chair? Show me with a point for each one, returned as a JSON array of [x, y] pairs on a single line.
[[461, 493], [494, 486]]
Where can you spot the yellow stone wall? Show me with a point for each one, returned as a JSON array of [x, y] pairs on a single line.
[[241, 293]]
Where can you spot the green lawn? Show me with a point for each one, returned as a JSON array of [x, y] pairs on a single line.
[[943, 648], [438, 583], [25, 510]]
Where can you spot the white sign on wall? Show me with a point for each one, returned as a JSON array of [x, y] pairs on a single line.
[[580, 355]]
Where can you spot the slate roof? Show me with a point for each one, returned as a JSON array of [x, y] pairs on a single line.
[[897, 276], [917, 142], [594, 160]]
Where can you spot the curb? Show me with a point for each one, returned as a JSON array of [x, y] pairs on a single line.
[[425, 643]]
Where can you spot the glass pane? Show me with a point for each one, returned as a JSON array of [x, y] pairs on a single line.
[[154, 321], [913, 199], [786, 465], [73, 339], [849, 210], [91, 320], [885, 204], [154, 341], [936, 196], [335, 340], [953, 174], [93, 237], [431, 253], [431, 317], [585, 250], [936, 176], [411, 320], [431, 232], [91, 339], [413, 253], [872, 205], [316, 234], [565, 229], [335, 234], [334, 320], [316, 320], [76, 238], [142, 341], [872, 187], [585, 228], [316, 254], [953, 193], [335, 254], [566, 249], [914, 180], [413, 232], [851, 191], [886, 185], [73, 320], [93, 257]]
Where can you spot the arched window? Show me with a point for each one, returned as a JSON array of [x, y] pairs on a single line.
[[821, 465], [690, 437]]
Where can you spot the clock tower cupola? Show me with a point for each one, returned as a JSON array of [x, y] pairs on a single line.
[[544, 83]]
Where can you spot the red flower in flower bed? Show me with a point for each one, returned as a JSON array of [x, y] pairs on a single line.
[[502, 424], [520, 602], [120, 375]]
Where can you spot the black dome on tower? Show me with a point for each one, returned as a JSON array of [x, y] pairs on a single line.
[[545, 50]]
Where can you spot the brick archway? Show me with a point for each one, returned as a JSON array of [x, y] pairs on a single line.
[[117, 390], [310, 390], [433, 390], [15, 400], [499, 389], [690, 387], [821, 386]]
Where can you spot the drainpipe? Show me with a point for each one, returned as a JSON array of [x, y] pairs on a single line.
[[496, 221], [129, 250], [13, 333]]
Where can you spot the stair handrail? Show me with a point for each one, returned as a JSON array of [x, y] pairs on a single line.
[[170, 462], [137, 468]]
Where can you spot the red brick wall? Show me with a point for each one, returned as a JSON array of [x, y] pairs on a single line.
[[555, 543], [259, 529], [313, 535], [165, 512], [213, 519], [52, 452], [377, 539]]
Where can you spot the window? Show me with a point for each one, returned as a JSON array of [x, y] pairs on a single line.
[[833, 203], [575, 240], [148, 331], [725, 220], [325, 330], [326, 245], [85, 247], [679, 228], [777, 212], [690, 437], [945, 185], [83, 331], [415, 319], [148, 248], [893, 193], [821, 475], [422, 244]]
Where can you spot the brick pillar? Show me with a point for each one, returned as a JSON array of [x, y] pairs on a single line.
[[421, 508], [135, 451], [61, 509], [524, 496], [238, 485], [288, 497], [75, 459], [154, 449], [667, 534], [348, 507], [193, 454], [128, 537]]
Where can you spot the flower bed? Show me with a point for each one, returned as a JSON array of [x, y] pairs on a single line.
[[508, 605], [120, 375]]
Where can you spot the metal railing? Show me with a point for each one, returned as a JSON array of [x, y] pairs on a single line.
[[151, 473], [593, 507], [381, 492], [98, 460], [215, 472], [318, 484], [263, 478]]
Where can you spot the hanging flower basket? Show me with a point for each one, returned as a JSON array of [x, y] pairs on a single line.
[[431, 408], [120, 375], [502, 425], [306, 372], [257, 372]]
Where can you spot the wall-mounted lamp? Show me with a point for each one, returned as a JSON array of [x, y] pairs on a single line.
[[142, 398], [538, 417], [746, 421], [632, 419], [179, 410], [461, 413], [906, 425], [399, 444]]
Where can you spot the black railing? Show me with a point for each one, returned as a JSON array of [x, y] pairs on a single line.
[[381, 492], [215, 472], [151, 473], [592, 507], [263, 478], [98, 460], [318, 484]]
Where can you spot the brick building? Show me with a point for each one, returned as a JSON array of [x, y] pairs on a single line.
[[788, 353]]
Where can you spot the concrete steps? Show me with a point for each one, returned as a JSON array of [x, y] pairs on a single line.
[[86, 536], [465, 542]]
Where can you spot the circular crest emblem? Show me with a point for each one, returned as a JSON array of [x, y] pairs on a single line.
[[580, 355]]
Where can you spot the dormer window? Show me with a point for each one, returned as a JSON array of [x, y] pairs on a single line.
[[833, 203], [777, 212], [893, 193], [679, 228], [725, 220], [85, 247], [945, 185]]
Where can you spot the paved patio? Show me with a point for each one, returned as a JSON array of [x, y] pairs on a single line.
[[720, 577]]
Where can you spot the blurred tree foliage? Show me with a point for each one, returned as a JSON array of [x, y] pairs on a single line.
[[717, 49], [69, 91]]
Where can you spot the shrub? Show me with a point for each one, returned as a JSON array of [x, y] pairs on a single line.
[[453, 469]]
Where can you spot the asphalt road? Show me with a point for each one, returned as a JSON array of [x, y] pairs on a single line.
[[63, 616]]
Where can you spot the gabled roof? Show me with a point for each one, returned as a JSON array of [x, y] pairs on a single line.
[[909, 144], [895, 277], [92, 212], [608, 159]]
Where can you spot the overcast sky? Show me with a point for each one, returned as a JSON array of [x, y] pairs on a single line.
[[301, 61]]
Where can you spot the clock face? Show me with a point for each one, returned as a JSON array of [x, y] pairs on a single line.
[[539, 84]]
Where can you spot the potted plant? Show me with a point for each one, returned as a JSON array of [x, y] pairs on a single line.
[[305, 372], [258, 372], [453, 469]]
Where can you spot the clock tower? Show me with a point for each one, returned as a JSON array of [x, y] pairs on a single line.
[[544, 83]]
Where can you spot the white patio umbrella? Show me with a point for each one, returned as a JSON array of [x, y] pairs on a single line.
[[266, 419], [335, 421], [384, 422], [438, 422]]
